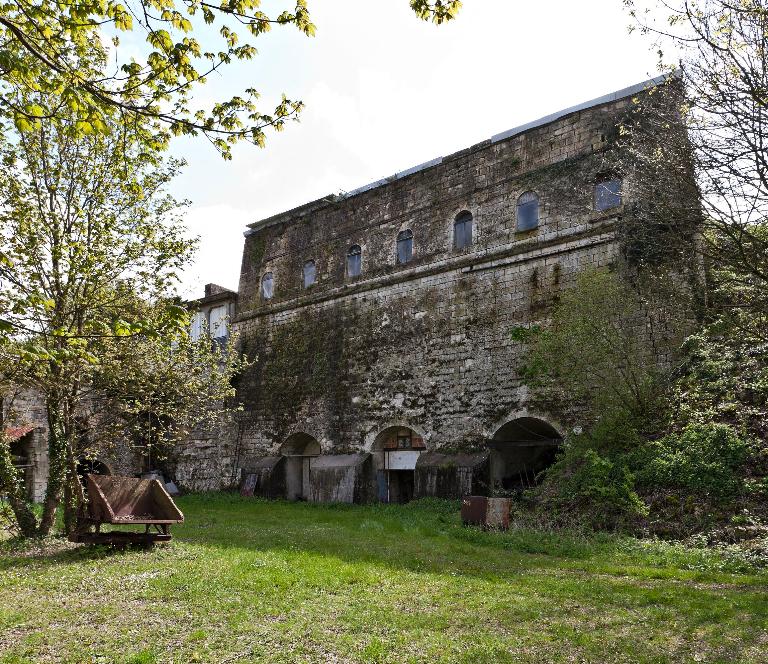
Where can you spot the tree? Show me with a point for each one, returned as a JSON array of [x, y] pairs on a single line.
[[43, 42], [720, 89], [153, 394], [91, 247], [608, 350], [723, 71]]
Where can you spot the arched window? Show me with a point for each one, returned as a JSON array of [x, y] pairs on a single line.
[[404, 247], [354, 254], [308, 274], [527, 211], [267, 286], [607, 193], [462, 230]]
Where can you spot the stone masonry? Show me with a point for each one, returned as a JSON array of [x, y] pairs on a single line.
[[403, 380], [425, 345]]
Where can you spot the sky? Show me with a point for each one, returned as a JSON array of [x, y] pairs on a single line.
[[385, 91]]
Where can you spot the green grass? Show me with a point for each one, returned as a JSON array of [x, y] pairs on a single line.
[[253, 581]]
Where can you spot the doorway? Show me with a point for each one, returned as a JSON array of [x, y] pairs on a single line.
[[299, 451], [396, 451], [519, 451]]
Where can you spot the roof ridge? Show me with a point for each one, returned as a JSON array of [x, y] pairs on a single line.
[[547, 119]]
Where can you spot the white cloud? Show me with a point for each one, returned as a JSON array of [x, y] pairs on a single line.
[[220, 228]]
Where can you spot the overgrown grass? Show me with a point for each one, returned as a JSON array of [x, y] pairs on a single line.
[[248, 581]]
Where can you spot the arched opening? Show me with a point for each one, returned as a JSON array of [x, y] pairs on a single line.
[[395, 452], [299, 450], [520, 450], [354, 261], [22, 455], [267, 286], [462, 230], [404, 246], [309, 274], [87, 467], [527, 211]]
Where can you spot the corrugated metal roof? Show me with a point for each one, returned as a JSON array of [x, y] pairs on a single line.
[[436, 459], [338, 460], [258, 463]]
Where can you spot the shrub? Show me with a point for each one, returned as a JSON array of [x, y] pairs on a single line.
[[599, 487], [705, 459]]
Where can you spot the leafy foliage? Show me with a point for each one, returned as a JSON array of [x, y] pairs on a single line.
[[671, 433], [719, 53], [438, 11], [592, 476], [601, 352], [48, 46], [92, 248], [603, 488], [153, 391], [706, 460]]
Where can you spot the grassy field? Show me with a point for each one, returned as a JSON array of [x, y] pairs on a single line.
[[248, 581]]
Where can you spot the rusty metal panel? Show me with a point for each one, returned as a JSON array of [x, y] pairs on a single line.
[[489, 513], [473, 510], [497, 514], [116, 499], [125, 501]]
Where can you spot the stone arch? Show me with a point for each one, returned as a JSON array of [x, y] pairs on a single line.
[[395, 450], [300, 444], [22, 450], [521, 394], [374, 438], [299, 449], [519, 450]]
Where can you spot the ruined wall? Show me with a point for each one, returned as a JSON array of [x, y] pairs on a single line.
[[206, 460], [27, 409], [426, 344]]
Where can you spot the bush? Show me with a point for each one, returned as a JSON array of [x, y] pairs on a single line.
[[600, 488], [704, 459]]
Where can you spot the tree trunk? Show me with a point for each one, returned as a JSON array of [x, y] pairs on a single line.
[[70, 506], [57, 465], [74, 495]]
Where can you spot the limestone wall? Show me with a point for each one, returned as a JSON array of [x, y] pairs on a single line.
[[25, 408], [426, 344]]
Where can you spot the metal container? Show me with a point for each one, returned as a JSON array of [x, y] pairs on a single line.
[[124, 501], [488, 513]]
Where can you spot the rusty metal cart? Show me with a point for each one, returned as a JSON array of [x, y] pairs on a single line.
[[126, 501]]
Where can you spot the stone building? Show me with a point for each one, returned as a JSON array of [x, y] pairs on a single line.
[[26, 427], [199, 463], [381, 319], [206, 462], [25, 424], [379, 322]]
